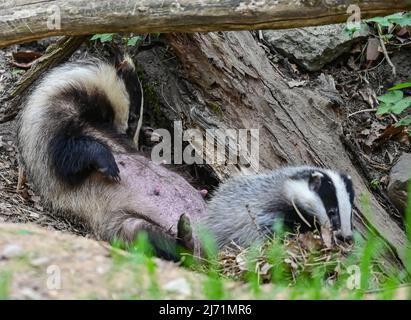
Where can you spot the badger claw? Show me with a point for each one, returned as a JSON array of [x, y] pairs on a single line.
[[111, 172], [116, 179], [185, 232]]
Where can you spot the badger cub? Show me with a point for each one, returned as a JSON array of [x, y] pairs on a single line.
[[245, 209], [74, 144]]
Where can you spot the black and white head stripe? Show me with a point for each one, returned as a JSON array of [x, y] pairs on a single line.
[[325, 194], [344, 193], [126, 70], [324, 186]]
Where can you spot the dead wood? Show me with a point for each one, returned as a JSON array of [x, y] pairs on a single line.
[[27, 20]]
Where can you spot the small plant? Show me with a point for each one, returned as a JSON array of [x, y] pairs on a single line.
[[130, 40], [16, 72], [103, 37], [400, 19], [375, 184], [5, 282], [133, 41], [395, 102], [354, 29], [390, 22]]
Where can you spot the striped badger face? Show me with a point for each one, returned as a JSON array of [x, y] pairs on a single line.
[[324, 197], [126, 71]]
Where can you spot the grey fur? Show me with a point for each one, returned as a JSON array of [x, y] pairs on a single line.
[[244, 209]]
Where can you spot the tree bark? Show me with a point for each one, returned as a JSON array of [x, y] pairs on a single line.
[[26, 20], [231, 84]]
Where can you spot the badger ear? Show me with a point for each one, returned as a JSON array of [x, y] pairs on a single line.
[[117, 58], [349, 186], [314, 181], [116, 54]]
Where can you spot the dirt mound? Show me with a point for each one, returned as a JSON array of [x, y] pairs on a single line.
[[40, 264]]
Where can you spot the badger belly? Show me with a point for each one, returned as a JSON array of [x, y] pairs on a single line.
[[148, 198], [165, 194]]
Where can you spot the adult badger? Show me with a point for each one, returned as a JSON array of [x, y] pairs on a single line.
[[73, 145], [244, 209]]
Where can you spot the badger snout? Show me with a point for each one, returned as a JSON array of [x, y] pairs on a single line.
[[349, 239]]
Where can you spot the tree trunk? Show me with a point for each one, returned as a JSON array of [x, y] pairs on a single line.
[[26, 20], [230, 83]]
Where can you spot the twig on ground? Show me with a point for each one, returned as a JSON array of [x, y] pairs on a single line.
[[384, 50], [361, 111]]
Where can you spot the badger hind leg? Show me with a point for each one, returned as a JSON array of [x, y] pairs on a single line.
[[75, 158], [126, 228]]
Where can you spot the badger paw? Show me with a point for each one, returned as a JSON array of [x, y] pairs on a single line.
[[107, 166], [74, 159]]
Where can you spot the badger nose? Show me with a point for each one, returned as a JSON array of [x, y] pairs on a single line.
[[346, 239]]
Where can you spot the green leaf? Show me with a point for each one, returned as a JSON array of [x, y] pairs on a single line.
[[133, 41], [391, 97], [401, 105], [107, 37], [404, 121], [349, 32], [375, 184], [402, 20], [352, 29], [401, 86], [383, 21], [16, 72], [103, 37], [394, 16], [383, 108]]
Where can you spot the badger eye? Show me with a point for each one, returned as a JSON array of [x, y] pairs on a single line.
[[334, 218]]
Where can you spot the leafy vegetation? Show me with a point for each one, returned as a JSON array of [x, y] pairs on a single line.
[[391, 21], [375, 184], [400, 19], [395, 102], [103, 37], [129, 40], [133, 41]]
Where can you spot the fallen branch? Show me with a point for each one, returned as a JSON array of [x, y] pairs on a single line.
[[32, 19], [361, 111]]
